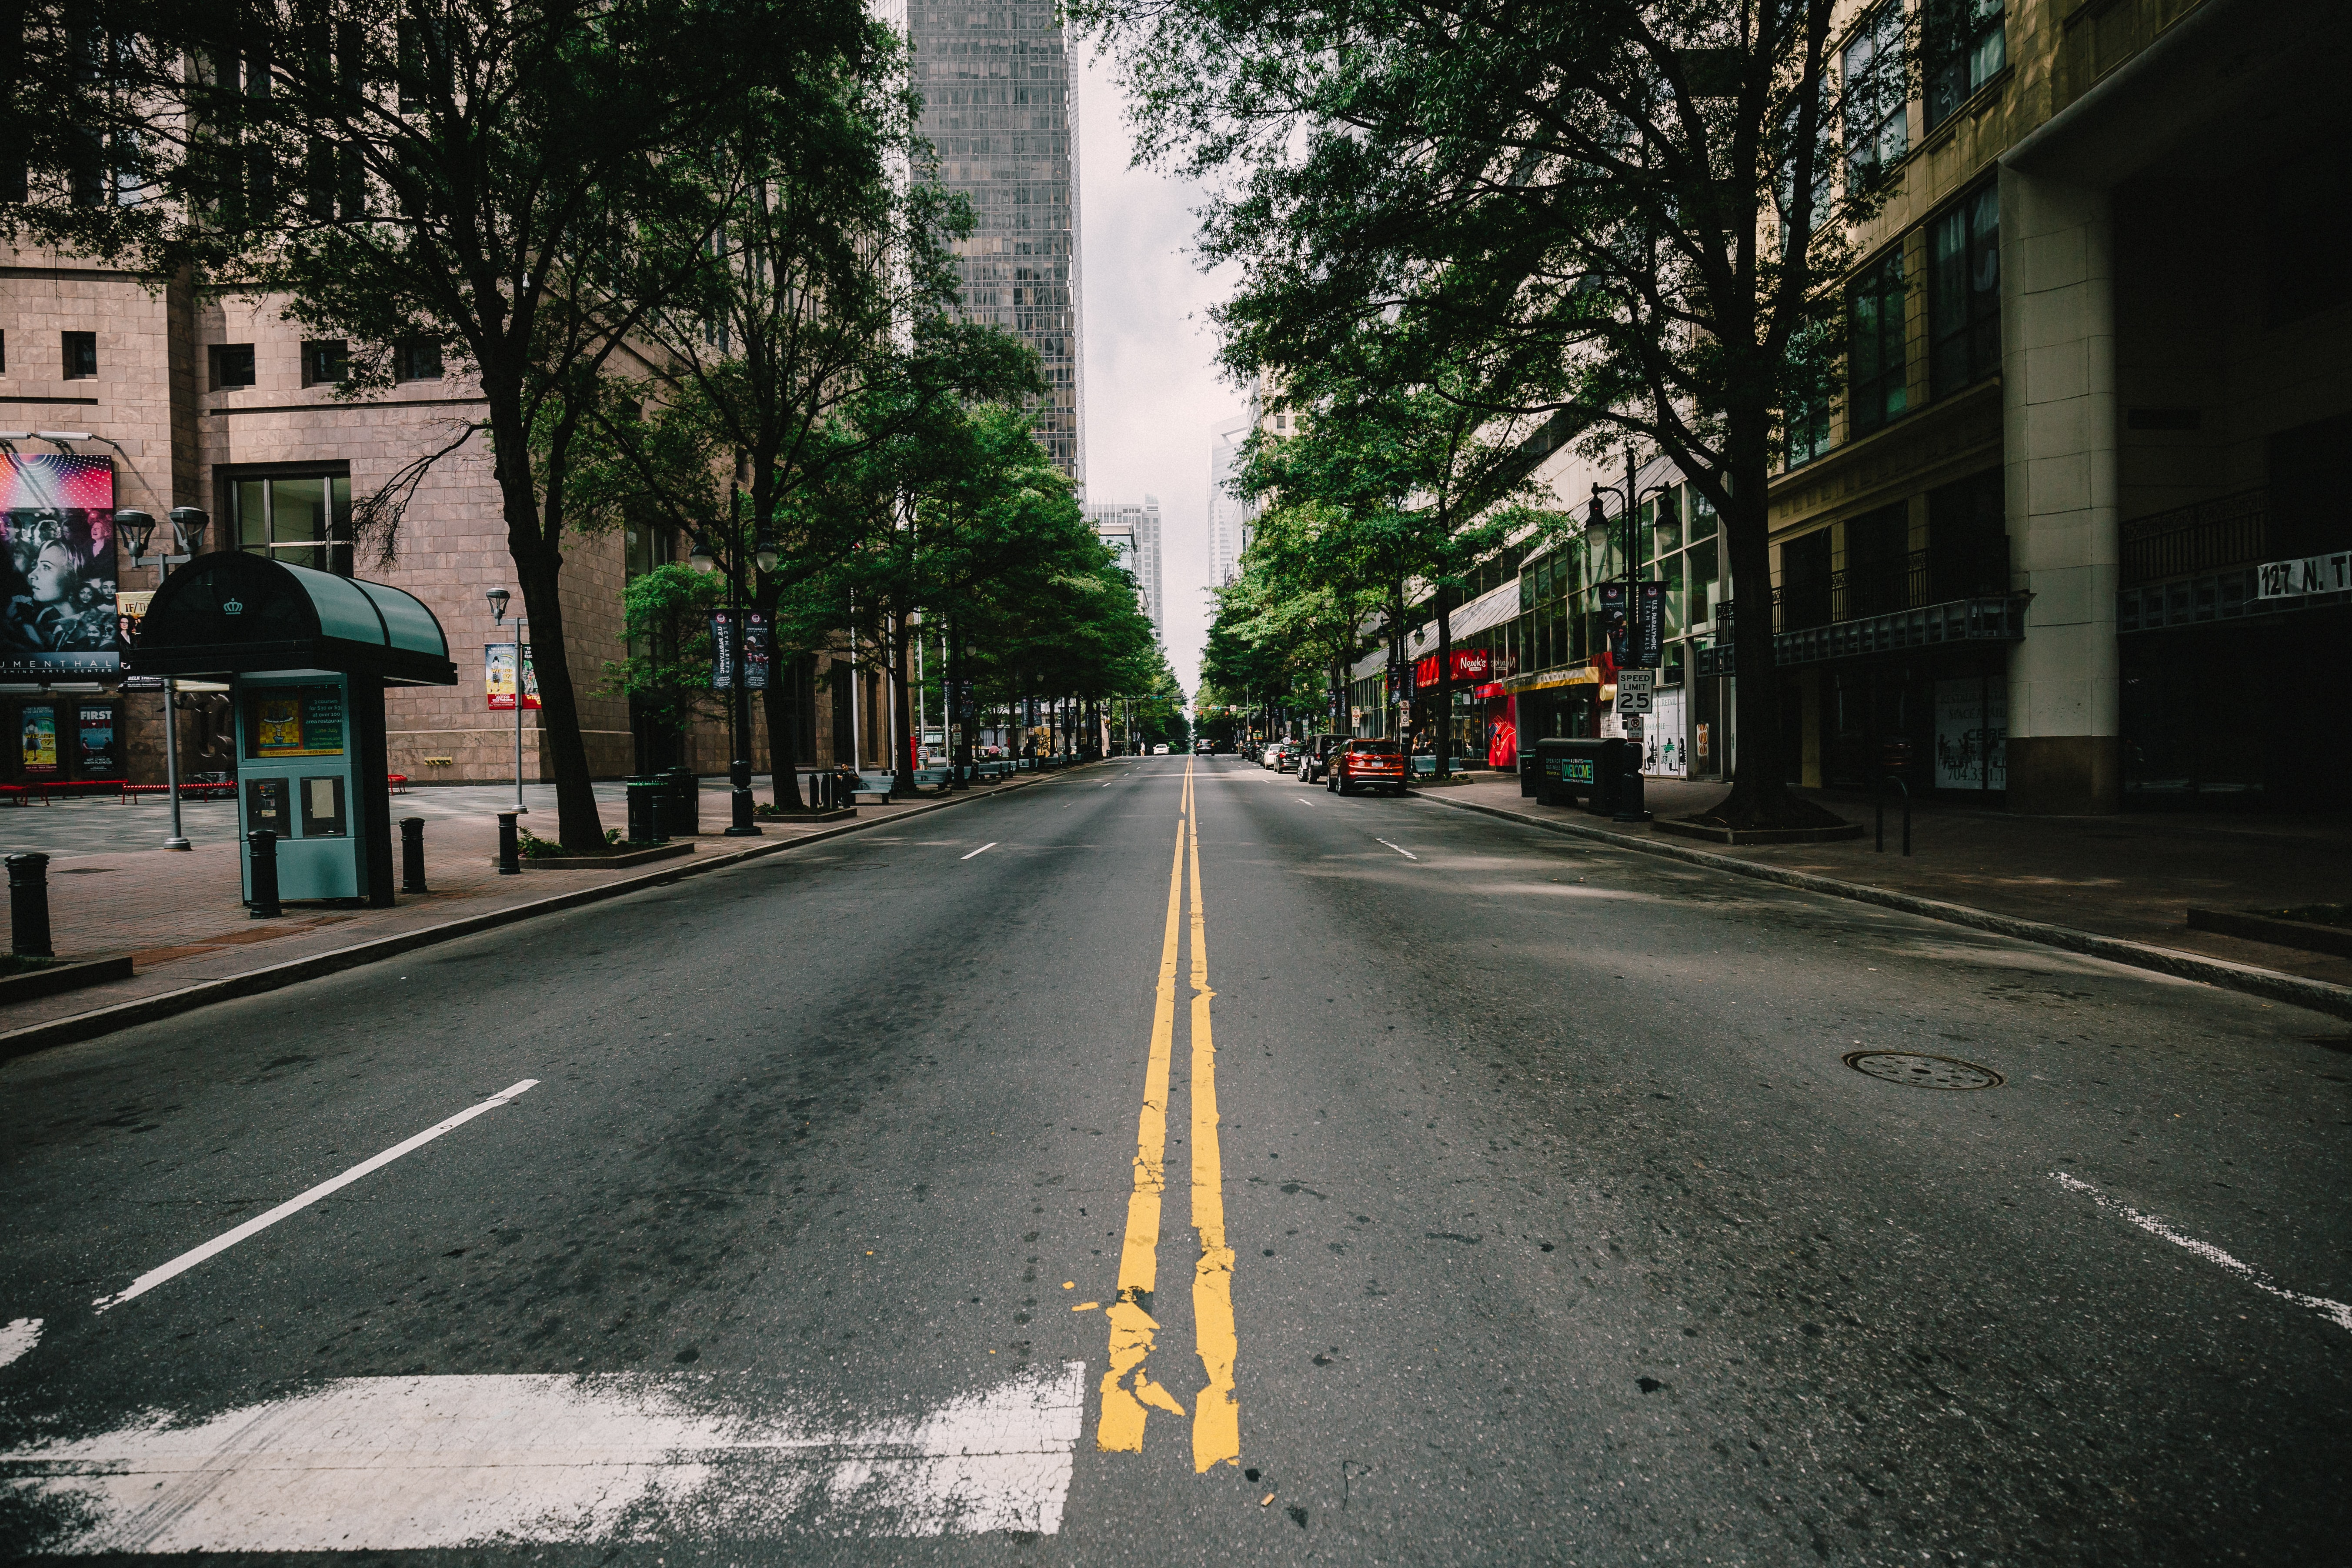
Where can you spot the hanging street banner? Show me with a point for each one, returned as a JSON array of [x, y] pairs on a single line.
[[57, 566], [1634, 624], [1649, 626], [756, 652], [722, 650], [498, 677]]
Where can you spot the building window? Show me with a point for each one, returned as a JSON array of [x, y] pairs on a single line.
[[1964, 294], [302, 519], [232, 365], [1806, 435], [1968, 539], [416, 359], [3, 354], [1875, 362], [325, 361], [80, 355], [1876, 133], [1965, 44], [1804, 590]]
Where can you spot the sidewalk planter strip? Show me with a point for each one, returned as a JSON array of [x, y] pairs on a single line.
[[171, 1004], [2309, 935], [1736, 836], [617, 860], [52, 978], [2316, 995]]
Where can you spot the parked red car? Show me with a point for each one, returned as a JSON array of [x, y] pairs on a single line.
[[1368, 764]]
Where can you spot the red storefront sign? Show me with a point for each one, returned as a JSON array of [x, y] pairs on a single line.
[[1470, 663]]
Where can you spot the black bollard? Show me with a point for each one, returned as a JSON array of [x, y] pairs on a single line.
[[509, 847], [261, 854], [411, 854], [29, 906], [1629, 798]]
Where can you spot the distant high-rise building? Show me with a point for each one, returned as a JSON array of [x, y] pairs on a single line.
[[1133, 530], [999, 110], [1229, 516]]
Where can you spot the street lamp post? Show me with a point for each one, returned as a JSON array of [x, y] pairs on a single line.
[[765, 554], [498, 598], [188, 525], [1631, 495]]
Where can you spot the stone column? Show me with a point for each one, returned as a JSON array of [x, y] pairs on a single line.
[[2058, 443]]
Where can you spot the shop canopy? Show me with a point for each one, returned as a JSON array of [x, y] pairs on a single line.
[[236, 613]]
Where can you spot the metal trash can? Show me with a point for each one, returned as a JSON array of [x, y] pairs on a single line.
[[681, 803], [646, 799]]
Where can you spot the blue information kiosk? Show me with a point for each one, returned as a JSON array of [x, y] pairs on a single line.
[[307, 655]]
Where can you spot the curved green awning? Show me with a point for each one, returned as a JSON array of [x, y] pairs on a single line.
[[237, 613]]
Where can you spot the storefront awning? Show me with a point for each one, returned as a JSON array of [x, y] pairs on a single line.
[[235, 613]]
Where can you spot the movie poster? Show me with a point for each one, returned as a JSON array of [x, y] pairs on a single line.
[[97, 736], [57, 566], [39, 729]]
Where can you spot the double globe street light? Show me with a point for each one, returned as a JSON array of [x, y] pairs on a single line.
[[765, 555]]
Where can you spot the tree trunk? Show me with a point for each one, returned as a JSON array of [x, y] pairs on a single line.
[[1759, 787], [578, 826], [784, 713]]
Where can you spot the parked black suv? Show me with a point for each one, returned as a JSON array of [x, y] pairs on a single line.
[[1315, 757]]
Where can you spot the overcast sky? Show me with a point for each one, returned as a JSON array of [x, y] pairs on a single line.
[[1152, 391]]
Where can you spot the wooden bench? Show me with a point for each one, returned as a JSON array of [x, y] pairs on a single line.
[[876, 785]]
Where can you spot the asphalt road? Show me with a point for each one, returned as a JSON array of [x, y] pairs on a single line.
[[1527, 1211]]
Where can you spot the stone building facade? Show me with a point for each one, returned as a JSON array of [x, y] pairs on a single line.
[[2099, 336], [223, 404]]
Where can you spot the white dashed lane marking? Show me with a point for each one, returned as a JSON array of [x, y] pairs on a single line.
[[2335, 1312], [222, 1243]]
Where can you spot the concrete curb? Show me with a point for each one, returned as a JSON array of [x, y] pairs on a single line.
[[2319, 995], [170, 1003]]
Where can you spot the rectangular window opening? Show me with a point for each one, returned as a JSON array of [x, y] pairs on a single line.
[[325, 361], [80, 355], [1877, 362], [1877, 93], [416, 359], [1967, 45], [1964, 293], [232, 364]]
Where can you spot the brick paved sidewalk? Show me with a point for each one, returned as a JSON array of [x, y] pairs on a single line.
[[180, 917], [2132, 876]]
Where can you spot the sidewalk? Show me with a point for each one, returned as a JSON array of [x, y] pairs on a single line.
[[2130, 876], [113, 889]]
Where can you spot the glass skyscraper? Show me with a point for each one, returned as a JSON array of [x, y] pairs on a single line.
[[999, 110]]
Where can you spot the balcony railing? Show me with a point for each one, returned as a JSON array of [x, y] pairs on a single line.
[[2233, 531], [1910, 582]]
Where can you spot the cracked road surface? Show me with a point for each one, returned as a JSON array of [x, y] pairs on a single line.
[[1191, 1178]]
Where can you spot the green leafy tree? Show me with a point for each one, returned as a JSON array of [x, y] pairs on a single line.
[[514, 183], [1619, 211]]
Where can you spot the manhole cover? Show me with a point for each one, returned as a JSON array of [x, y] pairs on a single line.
[[1922, 1071]]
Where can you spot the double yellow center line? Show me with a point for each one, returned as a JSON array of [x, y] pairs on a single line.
[[1129, 1390]]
